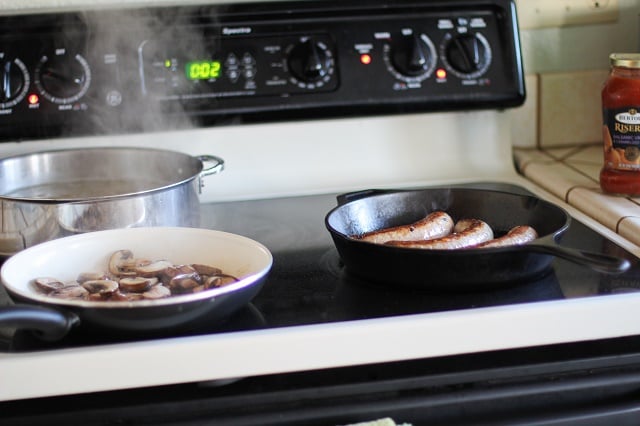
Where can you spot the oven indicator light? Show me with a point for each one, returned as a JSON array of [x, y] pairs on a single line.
[[33, 99], [441, 73], [365, 59]]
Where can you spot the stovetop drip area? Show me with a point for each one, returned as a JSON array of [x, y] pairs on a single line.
[[309, 285]]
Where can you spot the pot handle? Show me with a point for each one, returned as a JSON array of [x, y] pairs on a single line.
[[46, 323], [216, 167], [597, 261]]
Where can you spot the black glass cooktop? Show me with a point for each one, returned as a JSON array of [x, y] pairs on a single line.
[[309, 285]]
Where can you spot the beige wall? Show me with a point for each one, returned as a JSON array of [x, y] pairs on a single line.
[[566, 68], [581, 47]]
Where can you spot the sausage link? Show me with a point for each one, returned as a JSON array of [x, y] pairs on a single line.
[[467, 232], [434, 225], [517, 235]]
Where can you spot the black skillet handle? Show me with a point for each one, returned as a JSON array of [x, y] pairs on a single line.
[[599, 262], [46, 323], [353, 196]]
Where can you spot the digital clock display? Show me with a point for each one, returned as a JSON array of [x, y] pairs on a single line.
[[203, 70]]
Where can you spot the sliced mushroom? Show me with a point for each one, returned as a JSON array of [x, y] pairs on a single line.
[[219, 280], [130, 265], [153, 269], [175, 270], [206, 269], [125, 297], [48, 284], [118, 260], [184, 282], [136, 284], [228, 279], [70, 292], [157, 292], [91, 276], [178, 270], [212, 282], [97, 297], [102, 287], [131, 278]]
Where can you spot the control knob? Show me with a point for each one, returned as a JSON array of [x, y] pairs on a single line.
[[63, 78], [310, 63], [412, 57], [467, 55], [14, 82]]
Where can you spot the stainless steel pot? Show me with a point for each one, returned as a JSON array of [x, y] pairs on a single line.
[[46, 195]]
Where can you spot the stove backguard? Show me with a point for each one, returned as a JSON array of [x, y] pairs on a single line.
[[139, 70]]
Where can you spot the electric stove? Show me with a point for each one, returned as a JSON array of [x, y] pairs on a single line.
[[331, 97]]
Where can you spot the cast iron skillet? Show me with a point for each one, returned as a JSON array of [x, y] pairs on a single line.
[[366, 211]]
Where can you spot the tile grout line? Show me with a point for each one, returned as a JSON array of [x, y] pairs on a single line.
[[575, 169]]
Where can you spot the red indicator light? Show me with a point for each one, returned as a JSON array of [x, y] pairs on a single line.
[[33, 99], [365, 59], [441, 73]]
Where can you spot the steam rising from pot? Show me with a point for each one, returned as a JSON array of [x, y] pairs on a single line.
[[138, 64]]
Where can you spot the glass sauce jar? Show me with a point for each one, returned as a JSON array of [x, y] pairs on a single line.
[[621, 126]]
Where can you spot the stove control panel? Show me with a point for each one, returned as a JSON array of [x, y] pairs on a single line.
[[123, 71], [237, 67]]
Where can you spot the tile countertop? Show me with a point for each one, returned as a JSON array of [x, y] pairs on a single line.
[[572, 174]]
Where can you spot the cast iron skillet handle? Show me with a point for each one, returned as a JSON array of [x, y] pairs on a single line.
[[47, 324], [596, 261], [353, 196], [216, 167]]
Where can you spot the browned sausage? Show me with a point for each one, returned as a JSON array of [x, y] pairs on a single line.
[[434, 225], [517, 235], [467, 232]]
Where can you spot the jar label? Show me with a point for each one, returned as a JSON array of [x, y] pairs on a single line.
[[621, 133]]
